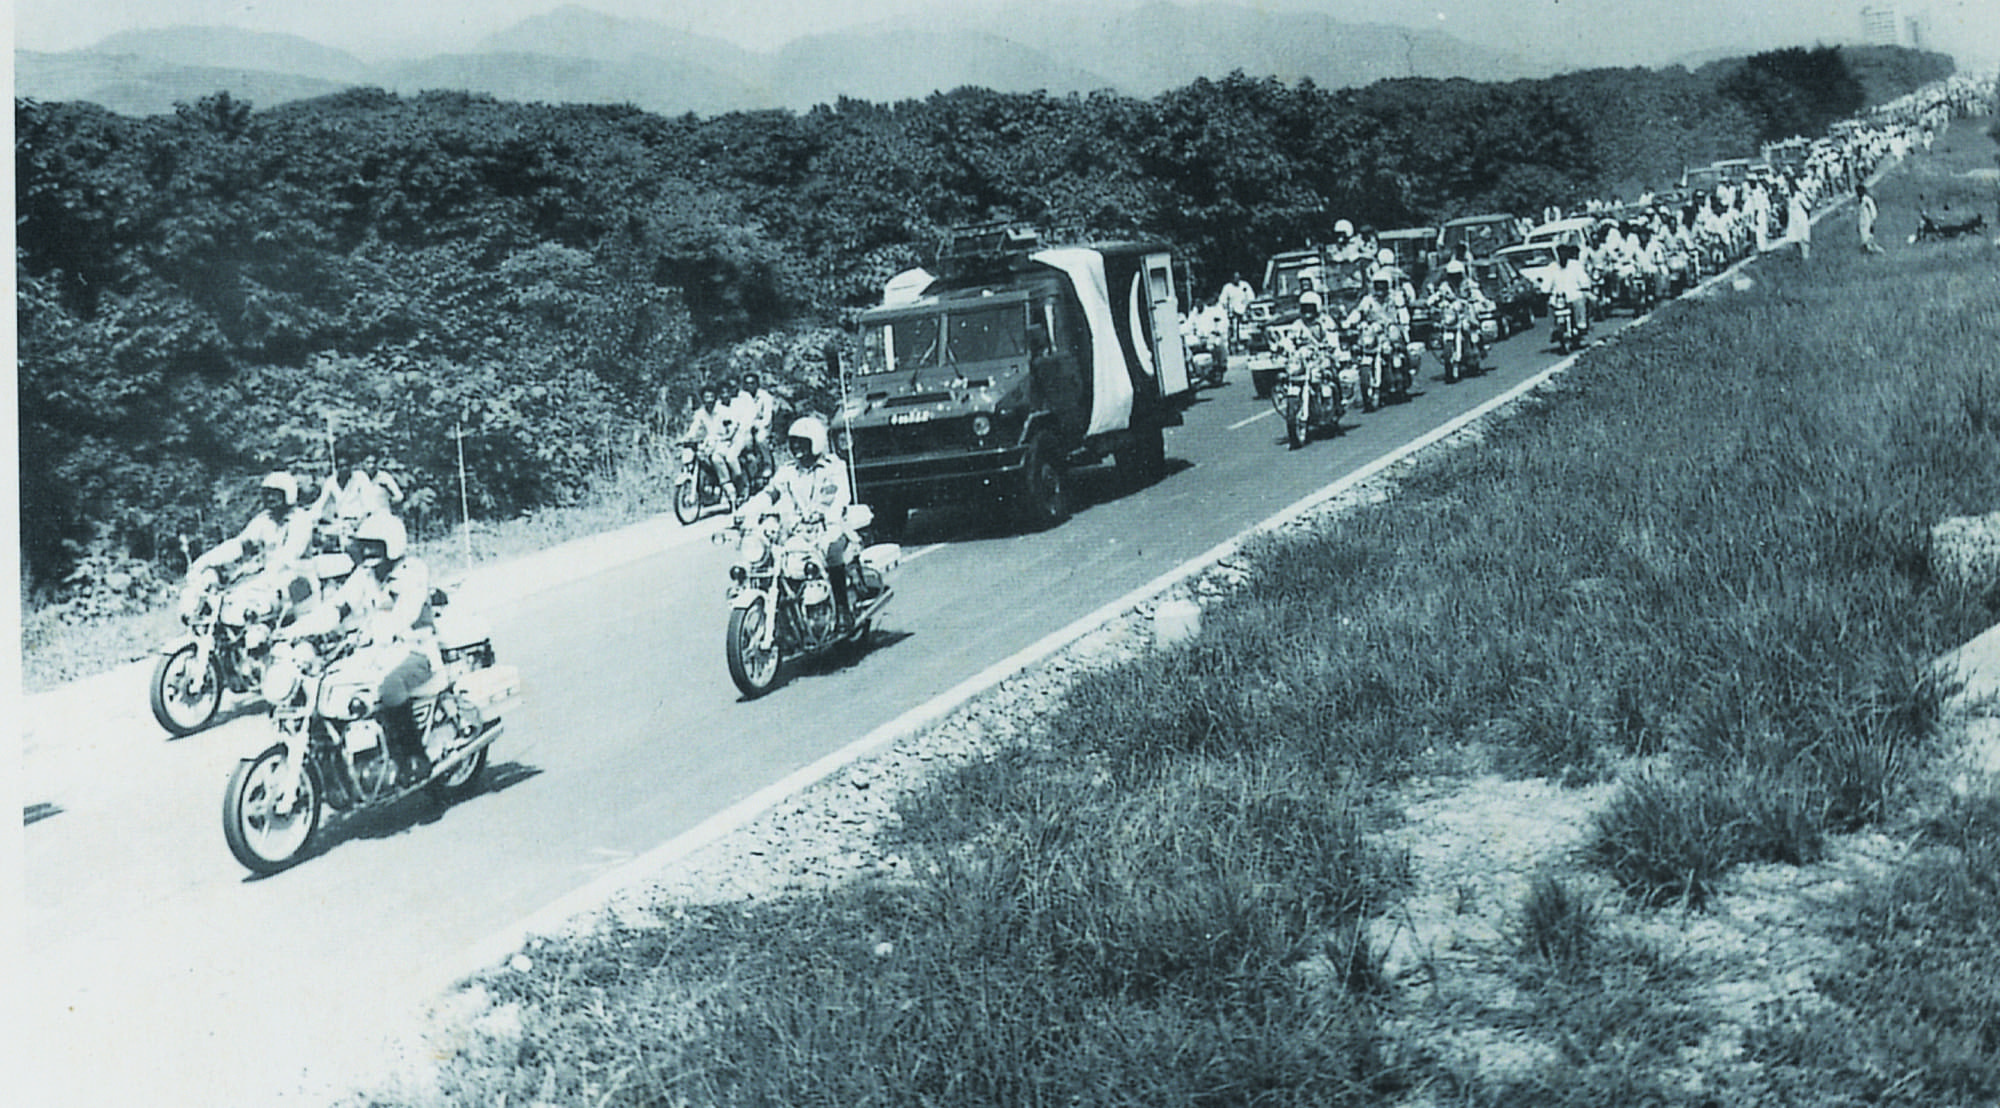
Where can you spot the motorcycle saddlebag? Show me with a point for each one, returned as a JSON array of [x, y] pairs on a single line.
[[495, 690], [877, 560]]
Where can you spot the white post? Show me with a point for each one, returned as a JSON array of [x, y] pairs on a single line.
[[464, 502]]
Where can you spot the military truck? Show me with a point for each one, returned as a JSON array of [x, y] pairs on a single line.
[[1013, 364]]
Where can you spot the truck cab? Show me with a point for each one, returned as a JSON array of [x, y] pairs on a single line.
[[1015, 365]]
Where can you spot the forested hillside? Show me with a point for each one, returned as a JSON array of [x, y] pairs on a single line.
[[209, 294]]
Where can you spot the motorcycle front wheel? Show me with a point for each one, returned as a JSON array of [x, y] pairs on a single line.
[[687, 498], [753, 668], [263, 836], [179, 711]]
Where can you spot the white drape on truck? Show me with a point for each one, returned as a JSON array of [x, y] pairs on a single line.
[[1111, 384]]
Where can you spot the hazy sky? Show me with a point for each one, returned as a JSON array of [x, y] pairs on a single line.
[[1632, 31]]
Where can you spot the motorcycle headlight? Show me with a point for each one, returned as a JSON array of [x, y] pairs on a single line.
[[281, 680], [752, 553], [982, 426], [256, 636]]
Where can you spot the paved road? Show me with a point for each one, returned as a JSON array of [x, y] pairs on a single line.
[[159, 973]]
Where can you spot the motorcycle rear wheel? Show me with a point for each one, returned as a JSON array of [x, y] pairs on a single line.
[[460, 782], [754, 670], [264, 840], [182, 714]]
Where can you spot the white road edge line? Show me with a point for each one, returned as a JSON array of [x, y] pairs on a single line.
[[593, 896], [1247, 422]]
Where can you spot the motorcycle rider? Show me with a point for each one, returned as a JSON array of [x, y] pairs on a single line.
[[1571, 282], [276, 540], [709, 431], [1344, 248], [386, 604], [812, 490], [1456, 298]]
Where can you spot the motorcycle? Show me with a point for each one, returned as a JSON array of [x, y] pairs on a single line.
[[1210, 363], [781, 603], [697, 487], [1308, 396], [226, 648], [331, 751], [1462, 339], [1566, 329], [1388, 364]]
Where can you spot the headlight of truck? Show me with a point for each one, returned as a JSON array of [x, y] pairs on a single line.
[[982, 426]]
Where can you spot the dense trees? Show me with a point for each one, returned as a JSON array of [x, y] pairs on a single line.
[[211, 293]]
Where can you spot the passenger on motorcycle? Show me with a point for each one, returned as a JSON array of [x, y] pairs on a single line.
[[1345, 248], [812, 491], [709, 432], [385, 604], [756, 408], [341, 507], [273, 546]]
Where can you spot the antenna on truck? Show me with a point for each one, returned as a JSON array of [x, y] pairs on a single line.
[[838, 365]]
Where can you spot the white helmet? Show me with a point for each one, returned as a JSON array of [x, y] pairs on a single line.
[[1379, 277], [809, 432], [382, 528], [1454, 268], [284, 483], [1385, 256], [1309, 299], [1343, 227]]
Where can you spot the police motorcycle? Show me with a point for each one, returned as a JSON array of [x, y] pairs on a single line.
[[1307, 395], [1565, 329], [1461, 334], [331, 750], [782, 603], [782, 607]]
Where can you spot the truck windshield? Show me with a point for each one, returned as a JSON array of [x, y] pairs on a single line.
[[907, 345], [910, 344], [986, 335]]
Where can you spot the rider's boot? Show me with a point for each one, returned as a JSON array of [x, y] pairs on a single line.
[[406, 745]]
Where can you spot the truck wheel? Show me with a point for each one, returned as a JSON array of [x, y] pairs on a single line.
[[1143, 458], [1042, 500]]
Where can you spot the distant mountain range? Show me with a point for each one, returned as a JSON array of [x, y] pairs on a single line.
[[576, 55]]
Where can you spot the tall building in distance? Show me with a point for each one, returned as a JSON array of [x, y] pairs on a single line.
[[1886, 25]]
